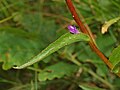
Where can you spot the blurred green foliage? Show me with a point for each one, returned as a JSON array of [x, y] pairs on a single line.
[[28, 26]]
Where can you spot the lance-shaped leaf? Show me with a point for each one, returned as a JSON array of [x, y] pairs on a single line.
[[64, 40]]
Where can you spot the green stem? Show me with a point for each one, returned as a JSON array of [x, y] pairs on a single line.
[[6, 19], [99, 78], [34, 69]]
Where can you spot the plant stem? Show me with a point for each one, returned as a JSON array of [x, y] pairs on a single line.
[[100, 79], [86, 31], [6, 19]]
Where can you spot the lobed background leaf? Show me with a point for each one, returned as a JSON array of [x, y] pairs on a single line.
[[58, 70]]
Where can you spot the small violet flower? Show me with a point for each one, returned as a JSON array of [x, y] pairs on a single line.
[[73, 29]]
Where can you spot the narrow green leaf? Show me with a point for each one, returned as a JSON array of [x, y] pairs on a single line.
[[108, 24], [64, 40], [115, 60]]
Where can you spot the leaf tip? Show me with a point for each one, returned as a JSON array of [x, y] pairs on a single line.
[[104, 30], [16, 67]]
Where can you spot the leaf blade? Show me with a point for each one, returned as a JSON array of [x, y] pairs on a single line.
[[64, 40], [115, 60]]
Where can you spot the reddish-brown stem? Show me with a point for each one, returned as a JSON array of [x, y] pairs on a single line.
[[84, 30]]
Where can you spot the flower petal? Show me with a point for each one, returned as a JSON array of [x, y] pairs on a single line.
[[73, 29]]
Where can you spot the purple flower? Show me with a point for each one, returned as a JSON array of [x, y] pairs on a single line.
[[73, 29]]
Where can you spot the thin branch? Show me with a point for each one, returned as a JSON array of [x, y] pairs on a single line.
[[99, 78], [84, 30]]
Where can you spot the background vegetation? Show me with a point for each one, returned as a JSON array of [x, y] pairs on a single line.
[[28, 26]]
